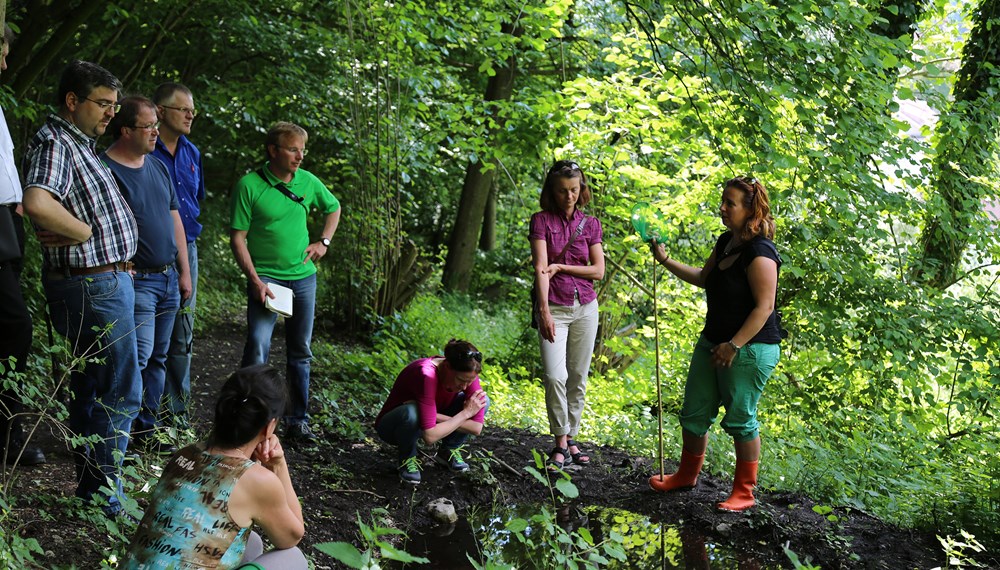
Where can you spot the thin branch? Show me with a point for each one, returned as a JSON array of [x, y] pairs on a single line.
[[631, 278], [356, 491]]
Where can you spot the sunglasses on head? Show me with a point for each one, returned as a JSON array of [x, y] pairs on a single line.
[[473, 355], [748, 180], [564, 165]]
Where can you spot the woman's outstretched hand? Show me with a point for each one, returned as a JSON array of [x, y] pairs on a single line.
[[269, 452]]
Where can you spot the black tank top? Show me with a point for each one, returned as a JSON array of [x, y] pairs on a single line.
[[730, 300]]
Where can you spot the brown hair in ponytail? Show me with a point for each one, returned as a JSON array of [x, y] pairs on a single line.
[[250, 398]]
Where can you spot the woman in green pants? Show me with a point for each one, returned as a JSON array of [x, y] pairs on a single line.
[[739, 346]]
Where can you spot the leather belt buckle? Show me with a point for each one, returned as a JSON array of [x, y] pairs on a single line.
[[153, 270]]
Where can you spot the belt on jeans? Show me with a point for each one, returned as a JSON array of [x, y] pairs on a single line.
[[64, 272], [147, 270]]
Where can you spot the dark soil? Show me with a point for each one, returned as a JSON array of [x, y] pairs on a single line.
[[338, 479]]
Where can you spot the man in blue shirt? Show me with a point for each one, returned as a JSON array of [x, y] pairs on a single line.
[[175, 108], [159, 286]]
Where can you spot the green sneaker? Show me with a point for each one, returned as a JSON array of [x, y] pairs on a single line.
[[451, 457], [409, 470]]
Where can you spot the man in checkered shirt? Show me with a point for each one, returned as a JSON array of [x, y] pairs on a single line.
[[88, 235]]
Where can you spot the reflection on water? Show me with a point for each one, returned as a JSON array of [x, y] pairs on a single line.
[[489, 539], [446, 546]]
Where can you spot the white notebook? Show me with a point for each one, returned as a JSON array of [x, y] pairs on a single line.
[[282, 301]]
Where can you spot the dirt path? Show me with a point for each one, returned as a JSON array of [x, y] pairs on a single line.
[[339, 479]]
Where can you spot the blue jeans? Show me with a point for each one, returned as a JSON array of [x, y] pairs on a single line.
[[157, 298], [95, 313], [177, 387], [401, 427], [298, 337]]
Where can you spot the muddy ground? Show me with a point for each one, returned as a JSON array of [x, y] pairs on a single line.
[[339, 479]]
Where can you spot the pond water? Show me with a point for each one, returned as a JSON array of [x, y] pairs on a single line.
[[497, 542]]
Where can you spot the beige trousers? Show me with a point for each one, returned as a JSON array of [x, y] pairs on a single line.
[[566, 364]]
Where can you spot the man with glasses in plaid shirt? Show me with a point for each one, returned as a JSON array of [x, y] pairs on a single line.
[[88, 235]]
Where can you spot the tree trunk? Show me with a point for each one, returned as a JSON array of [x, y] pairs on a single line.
[[968, 141], [27, 64], [488, 237], [458, 265]]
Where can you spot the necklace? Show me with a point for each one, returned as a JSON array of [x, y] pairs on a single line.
[[732, 245], [235, 452]]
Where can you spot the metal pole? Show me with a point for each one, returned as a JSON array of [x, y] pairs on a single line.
[[656, 337]]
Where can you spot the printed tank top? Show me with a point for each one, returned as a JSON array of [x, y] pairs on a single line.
[[187, 525]]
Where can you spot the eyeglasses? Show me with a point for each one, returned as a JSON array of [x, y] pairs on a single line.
[[105, 105], [293, 150], [149, 127], [473, 354], [183, 110]]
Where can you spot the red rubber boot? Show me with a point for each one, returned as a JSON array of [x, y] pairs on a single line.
[[686, 476], [744, 481]]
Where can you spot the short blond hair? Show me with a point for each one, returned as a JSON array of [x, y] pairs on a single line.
[[280, 129]]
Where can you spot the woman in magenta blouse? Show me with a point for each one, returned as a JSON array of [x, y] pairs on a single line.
[[437, 399], [568, 257]]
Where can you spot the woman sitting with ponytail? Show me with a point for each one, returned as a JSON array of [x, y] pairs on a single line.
[[211, 493]]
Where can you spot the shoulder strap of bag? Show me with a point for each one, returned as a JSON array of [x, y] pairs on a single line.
[[576, 234], [280, 186]]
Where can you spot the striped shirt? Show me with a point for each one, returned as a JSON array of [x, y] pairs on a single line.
[[61, 159]]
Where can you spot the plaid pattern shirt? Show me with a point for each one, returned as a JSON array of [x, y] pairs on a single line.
[[61, 159]]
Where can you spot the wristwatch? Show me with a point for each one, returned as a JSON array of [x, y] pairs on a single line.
[[325, 241], [736, 347]]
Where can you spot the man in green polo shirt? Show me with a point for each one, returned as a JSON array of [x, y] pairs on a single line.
[[270, 238]]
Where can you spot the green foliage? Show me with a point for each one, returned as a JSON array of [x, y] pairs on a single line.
[[16, 550], [960, 552], [546, 542], [884, 398], [798, 564], [40, 388], [376, 543]]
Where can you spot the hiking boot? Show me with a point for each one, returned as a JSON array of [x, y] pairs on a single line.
[[451, 457], [409, 470], [299, 433], [24, 455]]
